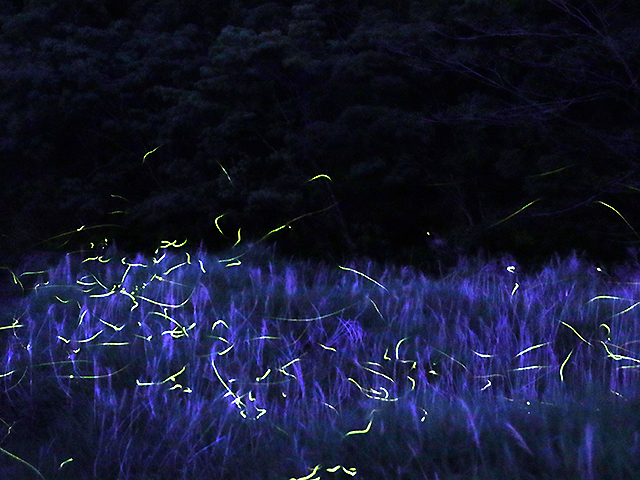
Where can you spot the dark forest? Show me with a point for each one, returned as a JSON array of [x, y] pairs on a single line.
[[369, 130]]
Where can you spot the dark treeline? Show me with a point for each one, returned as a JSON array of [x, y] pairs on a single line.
[[443, 116]]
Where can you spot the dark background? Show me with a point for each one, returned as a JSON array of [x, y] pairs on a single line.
[[435, 116]]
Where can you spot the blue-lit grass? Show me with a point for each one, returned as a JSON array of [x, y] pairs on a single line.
[[196, 367]]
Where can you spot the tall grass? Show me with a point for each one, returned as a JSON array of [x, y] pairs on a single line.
[[189, 366]]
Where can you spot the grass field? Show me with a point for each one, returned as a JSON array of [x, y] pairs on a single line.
[[193, 367]]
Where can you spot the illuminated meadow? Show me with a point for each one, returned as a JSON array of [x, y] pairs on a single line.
[[251, 366]]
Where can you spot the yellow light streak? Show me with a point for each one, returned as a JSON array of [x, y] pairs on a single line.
[[363, 275]]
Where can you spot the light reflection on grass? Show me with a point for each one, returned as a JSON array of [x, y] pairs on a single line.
[[189, 366]]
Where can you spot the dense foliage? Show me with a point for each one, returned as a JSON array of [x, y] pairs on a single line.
[[442, 116]]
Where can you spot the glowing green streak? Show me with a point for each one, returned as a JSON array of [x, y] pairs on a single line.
[[288, 224], [149, 153], [20, 460], [544, 174], [625, 220], [365, 276], [514, 214]]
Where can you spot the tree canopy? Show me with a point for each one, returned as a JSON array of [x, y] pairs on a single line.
[[506, 126]]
